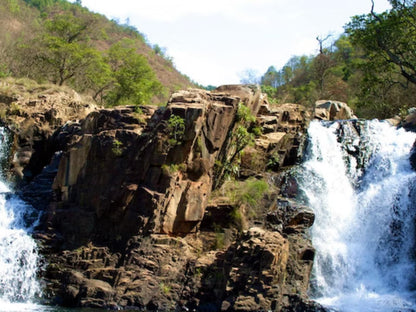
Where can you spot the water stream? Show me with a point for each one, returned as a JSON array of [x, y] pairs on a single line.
[[358, 180], [19, 260]]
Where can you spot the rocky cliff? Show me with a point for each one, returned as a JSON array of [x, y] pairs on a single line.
[[188, 206]]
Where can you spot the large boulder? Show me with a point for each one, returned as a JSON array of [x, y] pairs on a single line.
[[281, 142], [409, 122], [333, 110]]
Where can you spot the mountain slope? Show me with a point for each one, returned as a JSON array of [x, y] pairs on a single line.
[[35, 42]]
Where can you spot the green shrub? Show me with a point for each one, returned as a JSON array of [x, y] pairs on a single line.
[[4, 72], [244, 114], [172, 168], [273, 162], [219, 240], [252, 191], [117, 148], [15, 109], [176, 128], [165, 288], [248, 193]]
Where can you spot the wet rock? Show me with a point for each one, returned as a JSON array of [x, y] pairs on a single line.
[[409, 122], [297, 304], [412, 157]]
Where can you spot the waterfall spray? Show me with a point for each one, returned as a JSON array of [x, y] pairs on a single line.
[[19, 259], [358, 180]]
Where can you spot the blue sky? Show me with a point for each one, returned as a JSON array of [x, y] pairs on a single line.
[[214, 42]]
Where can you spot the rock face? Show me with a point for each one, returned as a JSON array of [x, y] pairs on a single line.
[[283, 127], [132, 179], [137, 218]]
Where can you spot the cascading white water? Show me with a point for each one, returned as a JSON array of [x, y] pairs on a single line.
[[19, 259], [362, 189]]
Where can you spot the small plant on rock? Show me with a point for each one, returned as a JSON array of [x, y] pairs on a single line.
[[172, 168], [117, 148], [176, 128], [165, 288], [273, 162]]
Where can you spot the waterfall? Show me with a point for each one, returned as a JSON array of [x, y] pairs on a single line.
[[358, 180], [19, 259]]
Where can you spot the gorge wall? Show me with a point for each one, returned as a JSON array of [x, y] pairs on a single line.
[[138, 210]]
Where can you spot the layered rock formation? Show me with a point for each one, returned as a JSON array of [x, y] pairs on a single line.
[[139, 217]]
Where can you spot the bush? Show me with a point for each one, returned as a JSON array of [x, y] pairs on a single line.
[[117, 148], [248, 193], [176, 128]]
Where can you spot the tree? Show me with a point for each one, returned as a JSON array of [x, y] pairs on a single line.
[[176, 128], [321, 65], [40, 4], [63, 51], [243, 134], [321, 43], [387, 42], [272, 78], [134, 80], [389, 37]]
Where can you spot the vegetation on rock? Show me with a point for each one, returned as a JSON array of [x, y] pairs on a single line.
[[176, 128], [242, 135]]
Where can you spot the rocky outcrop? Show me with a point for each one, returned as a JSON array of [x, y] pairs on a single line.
[[134, 223], [281, 142], [333, 110], [33, 113], [132, 179]]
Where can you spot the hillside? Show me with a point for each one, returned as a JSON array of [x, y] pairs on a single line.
[[64, 43], [371, 66]]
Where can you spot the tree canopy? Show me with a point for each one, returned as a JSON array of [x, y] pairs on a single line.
[[372, 66], [389, 38]]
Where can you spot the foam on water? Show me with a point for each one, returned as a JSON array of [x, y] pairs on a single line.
[[19, 260]]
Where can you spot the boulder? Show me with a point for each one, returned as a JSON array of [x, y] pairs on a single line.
[[333, 110], [409, 122], [394, 121], [412, 157], [282, 140]]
